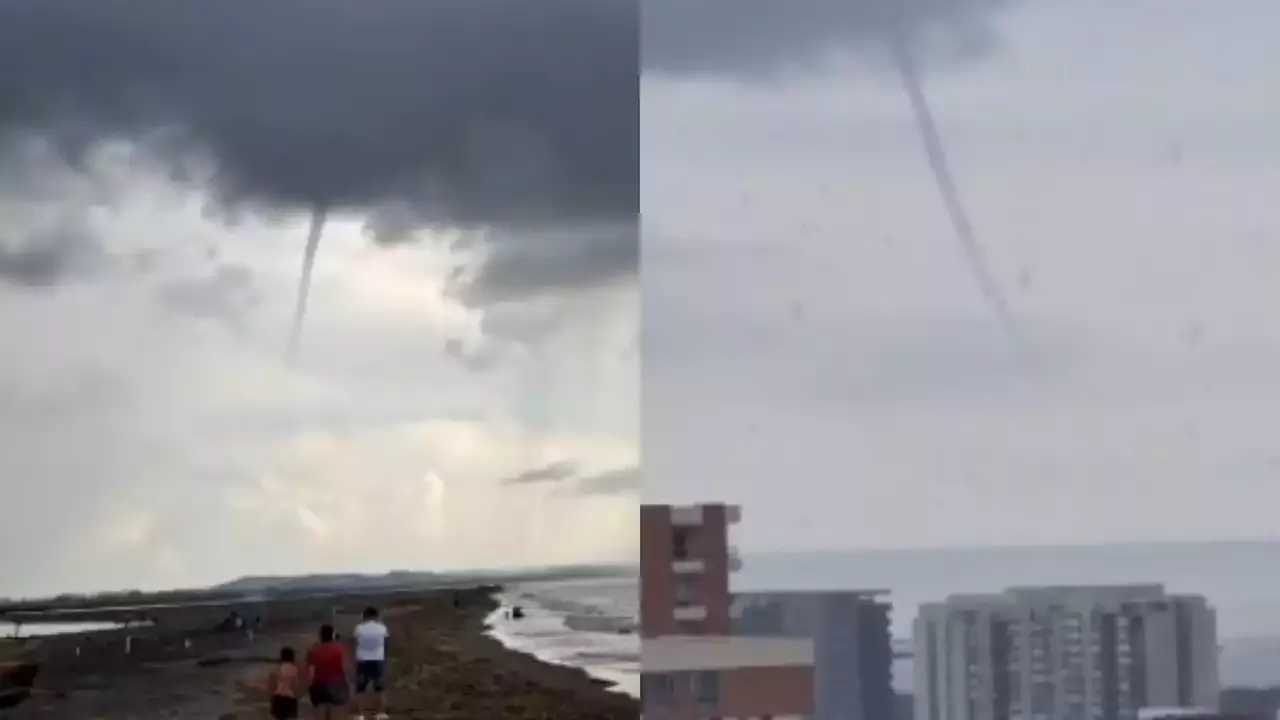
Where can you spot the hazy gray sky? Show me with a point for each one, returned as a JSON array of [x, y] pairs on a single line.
[[151, 434], [815, 348], [813, 343]]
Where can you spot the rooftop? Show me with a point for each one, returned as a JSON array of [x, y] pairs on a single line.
[[679, 653]]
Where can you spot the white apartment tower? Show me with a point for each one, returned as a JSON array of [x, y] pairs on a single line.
[[1064, 653]]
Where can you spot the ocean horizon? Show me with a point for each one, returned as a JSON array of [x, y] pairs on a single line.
[[1237, 576], [588, 622]]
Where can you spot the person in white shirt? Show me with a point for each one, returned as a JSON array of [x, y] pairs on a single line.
[[370, 640]]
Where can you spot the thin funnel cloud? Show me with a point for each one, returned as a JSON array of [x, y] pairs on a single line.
[[516, 124], [936, 152], [314, 231], [761, 41]]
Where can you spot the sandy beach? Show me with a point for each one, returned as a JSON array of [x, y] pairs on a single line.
[[442, 665]]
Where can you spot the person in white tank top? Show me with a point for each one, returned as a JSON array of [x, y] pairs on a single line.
[[370, 641]]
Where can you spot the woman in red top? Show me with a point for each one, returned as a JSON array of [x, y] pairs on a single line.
[[327, 662]]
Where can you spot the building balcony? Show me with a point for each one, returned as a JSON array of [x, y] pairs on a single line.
[[693, 653], [686, 516], [688, 566], [689, 613], [735, 560], [693, 515]]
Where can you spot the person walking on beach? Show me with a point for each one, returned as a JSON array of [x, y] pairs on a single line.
[[327, 664], [370, 639], [283, 684]]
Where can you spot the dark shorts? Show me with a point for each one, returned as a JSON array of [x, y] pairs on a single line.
[[284, 708], [328, 694], [370, 673]]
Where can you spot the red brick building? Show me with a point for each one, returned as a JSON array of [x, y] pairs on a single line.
[[692, 668]]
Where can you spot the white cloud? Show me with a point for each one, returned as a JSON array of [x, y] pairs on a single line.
[[142, 444]]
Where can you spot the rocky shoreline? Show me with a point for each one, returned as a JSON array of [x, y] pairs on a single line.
[[452, 670], [443, 666]]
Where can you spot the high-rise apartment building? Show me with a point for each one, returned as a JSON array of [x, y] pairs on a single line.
[[1064, 653], [1193, 714], [685, 562], [692, 667], [853, 645]]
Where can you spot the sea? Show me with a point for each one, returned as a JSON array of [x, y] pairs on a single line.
[[589, 623], [37, 629]]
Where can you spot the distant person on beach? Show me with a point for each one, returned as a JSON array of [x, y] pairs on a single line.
[[327, 664], [370, 640], [283, 684]]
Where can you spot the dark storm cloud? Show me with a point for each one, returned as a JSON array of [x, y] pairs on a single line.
[[48, 256], [551, 473], [476, 359], [506, 114], [752, 38], [535, 262], [225, 295], [614, 482]]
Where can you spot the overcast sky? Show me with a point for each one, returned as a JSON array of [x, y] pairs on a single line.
[[155, 210], [814, 343]]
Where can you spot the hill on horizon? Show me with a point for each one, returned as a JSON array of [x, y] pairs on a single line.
[[409, 579]]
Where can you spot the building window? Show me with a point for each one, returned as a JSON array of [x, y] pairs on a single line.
[[658, 690], [685, 591], [706, 688], [680, 544]]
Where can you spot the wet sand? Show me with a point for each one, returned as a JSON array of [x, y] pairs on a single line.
[[441, 666]]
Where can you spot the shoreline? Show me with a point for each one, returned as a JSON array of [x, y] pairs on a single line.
[[512, 634], [443, 664]]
